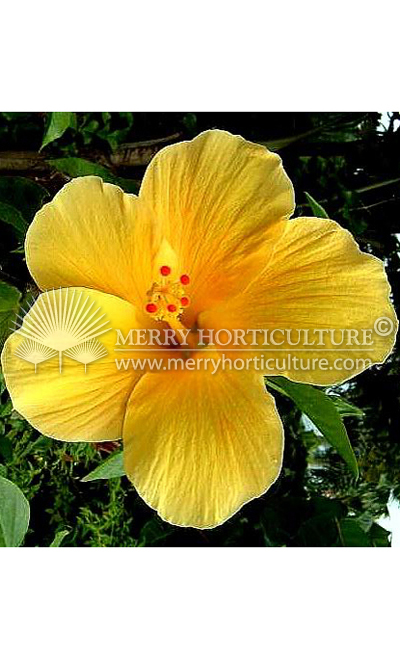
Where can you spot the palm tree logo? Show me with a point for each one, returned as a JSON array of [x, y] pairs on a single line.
[[87, 352], [60, 322], [34, 352]]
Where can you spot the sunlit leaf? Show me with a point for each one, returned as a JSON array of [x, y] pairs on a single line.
[[315, 404], [42, 443], [80, 167], [316, 208], [58, 123], [344, 408], [14, 514], [113, 467], [60, 535]]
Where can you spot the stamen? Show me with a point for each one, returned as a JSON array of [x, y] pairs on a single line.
[[166, 299]]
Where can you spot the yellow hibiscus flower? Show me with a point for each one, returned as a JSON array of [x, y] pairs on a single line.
[[212, 219]]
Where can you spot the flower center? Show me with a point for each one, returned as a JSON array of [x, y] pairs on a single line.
[[166, 299]]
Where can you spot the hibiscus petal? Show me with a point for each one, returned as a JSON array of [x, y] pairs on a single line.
[[72, 405], [93, 234], [199, 446], [218, 199], [317, 279]]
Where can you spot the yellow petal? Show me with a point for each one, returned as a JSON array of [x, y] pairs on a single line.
[[218, 199], [317, 279], [71, 405], [93, 234], [199, 446]]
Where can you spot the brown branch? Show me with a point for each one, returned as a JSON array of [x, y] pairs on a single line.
[[22, 161], [134, 154], [139, 154]]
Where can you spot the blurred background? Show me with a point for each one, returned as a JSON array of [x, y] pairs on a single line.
[[347, 162]]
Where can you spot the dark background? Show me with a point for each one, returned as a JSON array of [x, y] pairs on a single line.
[[349, 162]]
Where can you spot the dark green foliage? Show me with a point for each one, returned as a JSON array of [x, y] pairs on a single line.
[[345, 164], [322, 411], [9, 304]]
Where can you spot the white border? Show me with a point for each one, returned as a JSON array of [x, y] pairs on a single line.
[[180, 56], [196, 603]]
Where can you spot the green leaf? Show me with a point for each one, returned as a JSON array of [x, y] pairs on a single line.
[[190, 122], [9, 304], [322, 412], [23, 194], [14, 514], [113, 467], [318, 531], [9, 297], [6, 448], [321, 528], [58, 123], [344, 408], [42, 443], [351, 533], [79, 167], [379, 537], [328, 528], [60, 535], [153, 533], [119, 135], [13, 217], [283, 142], [316, 208]]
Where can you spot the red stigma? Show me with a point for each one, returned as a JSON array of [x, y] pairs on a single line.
[[165, 270], [185, 280], [185, 301], [171, 308], [151, 307]]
